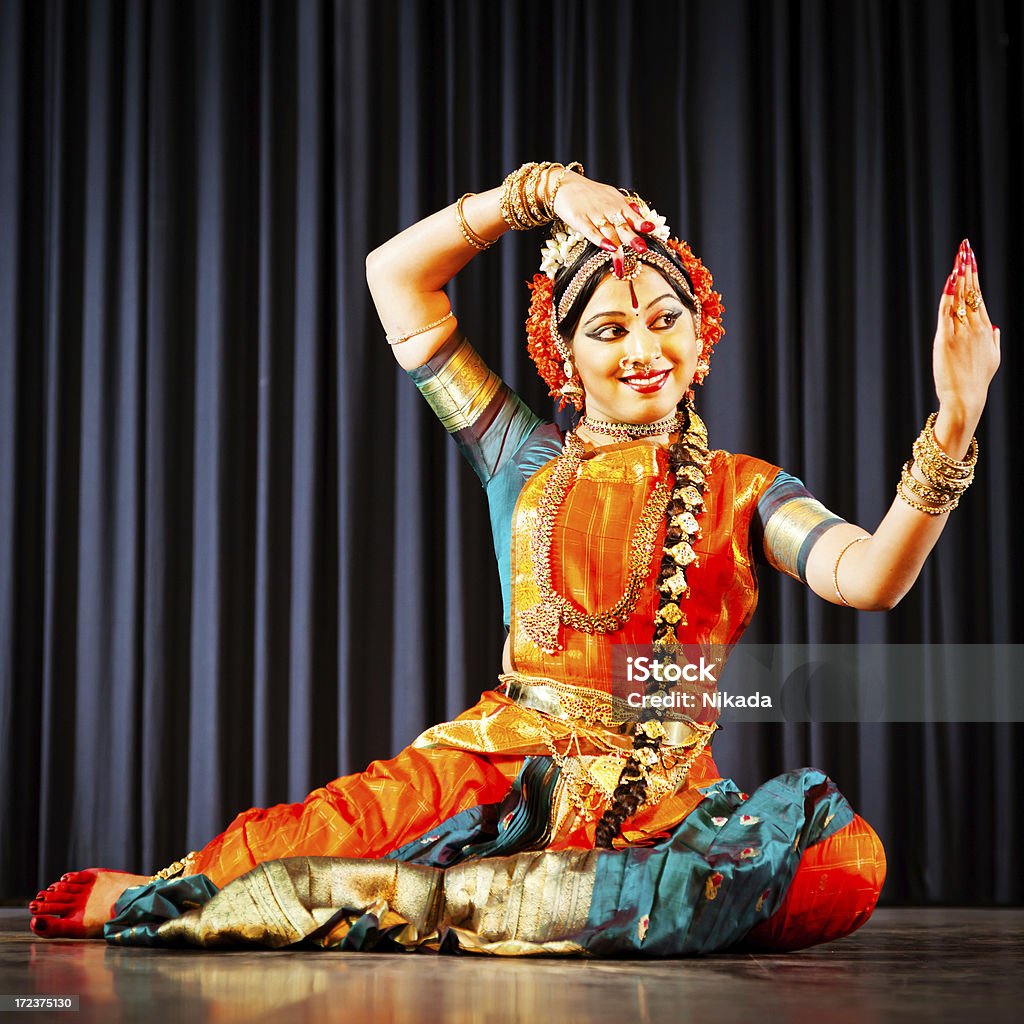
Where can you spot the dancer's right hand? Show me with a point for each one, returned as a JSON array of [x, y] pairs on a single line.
[[602, 214]]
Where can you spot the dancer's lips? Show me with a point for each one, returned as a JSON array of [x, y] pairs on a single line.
[[646, 383]]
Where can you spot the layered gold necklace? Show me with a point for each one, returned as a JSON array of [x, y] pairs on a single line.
[[543, 621]]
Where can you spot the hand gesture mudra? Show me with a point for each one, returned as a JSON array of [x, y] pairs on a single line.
[[965, 355], [603, 214]]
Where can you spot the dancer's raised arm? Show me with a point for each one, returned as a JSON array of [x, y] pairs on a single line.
[[874, 575], [407, 274]]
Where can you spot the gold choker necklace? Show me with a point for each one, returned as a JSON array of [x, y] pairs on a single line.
[[628, 431]]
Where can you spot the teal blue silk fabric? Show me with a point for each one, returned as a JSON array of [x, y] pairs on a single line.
[[698, 889]]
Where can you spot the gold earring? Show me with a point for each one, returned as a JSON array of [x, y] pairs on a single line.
[[572, 389]]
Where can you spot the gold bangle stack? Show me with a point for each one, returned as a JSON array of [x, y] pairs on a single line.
[[947, 478], [522, 205], [475, 240]]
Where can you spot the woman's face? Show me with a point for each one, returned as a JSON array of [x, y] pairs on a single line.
[[635, 364]]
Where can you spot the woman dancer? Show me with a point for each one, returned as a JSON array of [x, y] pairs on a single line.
[[618, 833]]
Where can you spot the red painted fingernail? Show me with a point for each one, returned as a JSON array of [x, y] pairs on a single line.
[[638, 245], [974, 262], [961, 266], [617, 264], [647, 227], [635, 208], [948, 290], [607, 245], [995, 327]]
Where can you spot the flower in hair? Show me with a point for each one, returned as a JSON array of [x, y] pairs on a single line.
[[556, 251], [661, 229]]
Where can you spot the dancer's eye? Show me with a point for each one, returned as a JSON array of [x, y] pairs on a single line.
[[607, 332], [667, 320]]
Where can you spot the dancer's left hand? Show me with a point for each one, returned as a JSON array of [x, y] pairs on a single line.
[[965, 355]]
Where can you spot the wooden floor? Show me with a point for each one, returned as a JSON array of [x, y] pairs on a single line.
[[905, 965]]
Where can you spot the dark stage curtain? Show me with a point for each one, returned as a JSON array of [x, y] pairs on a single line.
[[240, 557]]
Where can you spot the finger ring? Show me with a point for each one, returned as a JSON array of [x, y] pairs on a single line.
[[604, 222], [973, 300], [961, 313], [619, 218]]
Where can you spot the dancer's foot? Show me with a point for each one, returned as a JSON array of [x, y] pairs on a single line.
[[80, 904]]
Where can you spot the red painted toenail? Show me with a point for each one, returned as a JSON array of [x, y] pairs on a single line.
[[38, 924]]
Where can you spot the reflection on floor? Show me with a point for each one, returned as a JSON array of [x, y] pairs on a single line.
[[905, 965]]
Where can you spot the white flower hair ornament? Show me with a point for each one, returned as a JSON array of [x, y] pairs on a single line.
[[661, 229], [556, 251]]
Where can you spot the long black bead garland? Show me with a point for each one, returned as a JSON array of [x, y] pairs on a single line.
[[631, 790]]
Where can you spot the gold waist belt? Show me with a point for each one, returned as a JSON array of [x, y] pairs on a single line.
[[592, 707]]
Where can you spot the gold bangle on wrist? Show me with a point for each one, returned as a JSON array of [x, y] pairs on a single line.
[[932, 443], [835, 568], [475, 240], [946, 478], [397, 339], [932, 510], [531, 185], [926, 499], [519, 200], [520, 204], [928, 493], [574, 166]]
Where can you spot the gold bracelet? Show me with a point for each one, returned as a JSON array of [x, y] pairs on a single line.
[[519, 198], [475, 240], [508, 187], [397, 339], [932, 510], [929, 438], [574, 166], [531, 185], [947, 478], [927, 492], [835, 568], [941, 474], [520, 204]]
